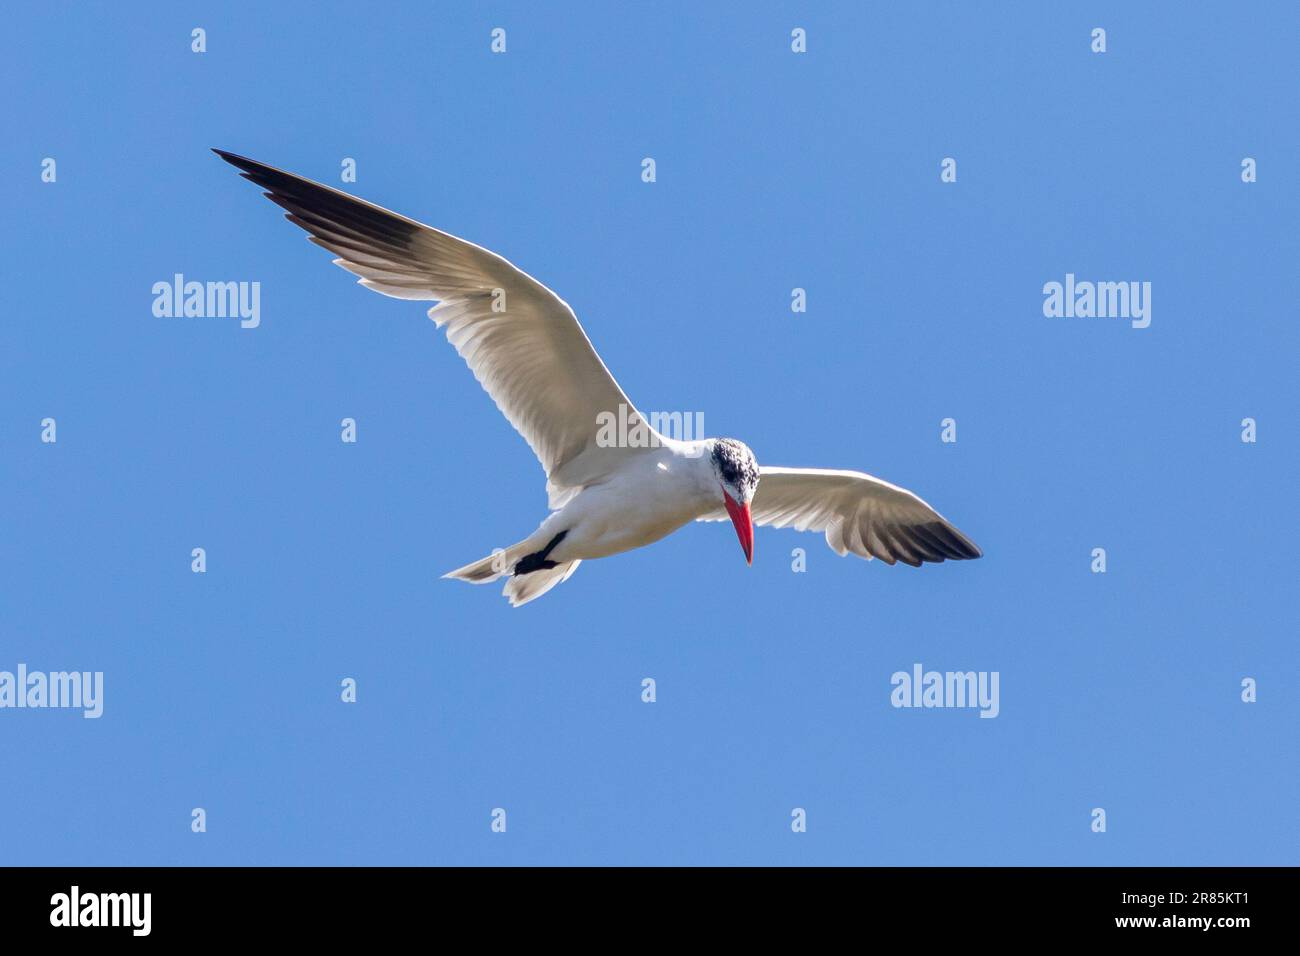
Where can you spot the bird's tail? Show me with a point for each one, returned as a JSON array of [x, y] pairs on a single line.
[[521, 588], [486, 570]]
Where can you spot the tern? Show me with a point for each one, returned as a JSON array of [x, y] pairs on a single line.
[[524, 345]]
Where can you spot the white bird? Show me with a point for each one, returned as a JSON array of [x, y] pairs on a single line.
[[525, 346]]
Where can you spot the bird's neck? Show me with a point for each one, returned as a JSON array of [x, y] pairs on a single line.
[[693, 461]]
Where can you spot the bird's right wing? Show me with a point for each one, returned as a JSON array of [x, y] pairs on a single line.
[[858, 513], [522, 341]]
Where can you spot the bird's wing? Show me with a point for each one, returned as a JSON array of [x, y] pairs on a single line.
[[522, 341], [858, 513]]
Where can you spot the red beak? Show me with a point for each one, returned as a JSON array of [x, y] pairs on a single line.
[[744, 525]]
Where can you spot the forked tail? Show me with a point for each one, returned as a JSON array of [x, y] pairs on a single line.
[[522, 588], [530, 570], [486, 570]]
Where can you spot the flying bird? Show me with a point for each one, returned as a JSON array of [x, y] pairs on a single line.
[[524, 345]]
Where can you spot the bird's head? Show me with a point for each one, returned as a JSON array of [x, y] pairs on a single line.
[[736, 469]]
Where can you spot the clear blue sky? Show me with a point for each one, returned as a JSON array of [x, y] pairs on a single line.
[[775, 171]]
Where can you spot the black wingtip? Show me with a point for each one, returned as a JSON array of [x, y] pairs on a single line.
[[249, 167], [234, 159], [964, 548]]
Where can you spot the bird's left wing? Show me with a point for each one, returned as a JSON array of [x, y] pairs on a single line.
[[858, 513], [522, 341]]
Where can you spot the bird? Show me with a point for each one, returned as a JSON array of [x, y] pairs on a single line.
[[526, 348]]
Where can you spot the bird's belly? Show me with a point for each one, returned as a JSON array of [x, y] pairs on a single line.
[[617, 538], [607, 524]]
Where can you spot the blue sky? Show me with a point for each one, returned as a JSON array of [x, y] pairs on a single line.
[[775, 170]]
